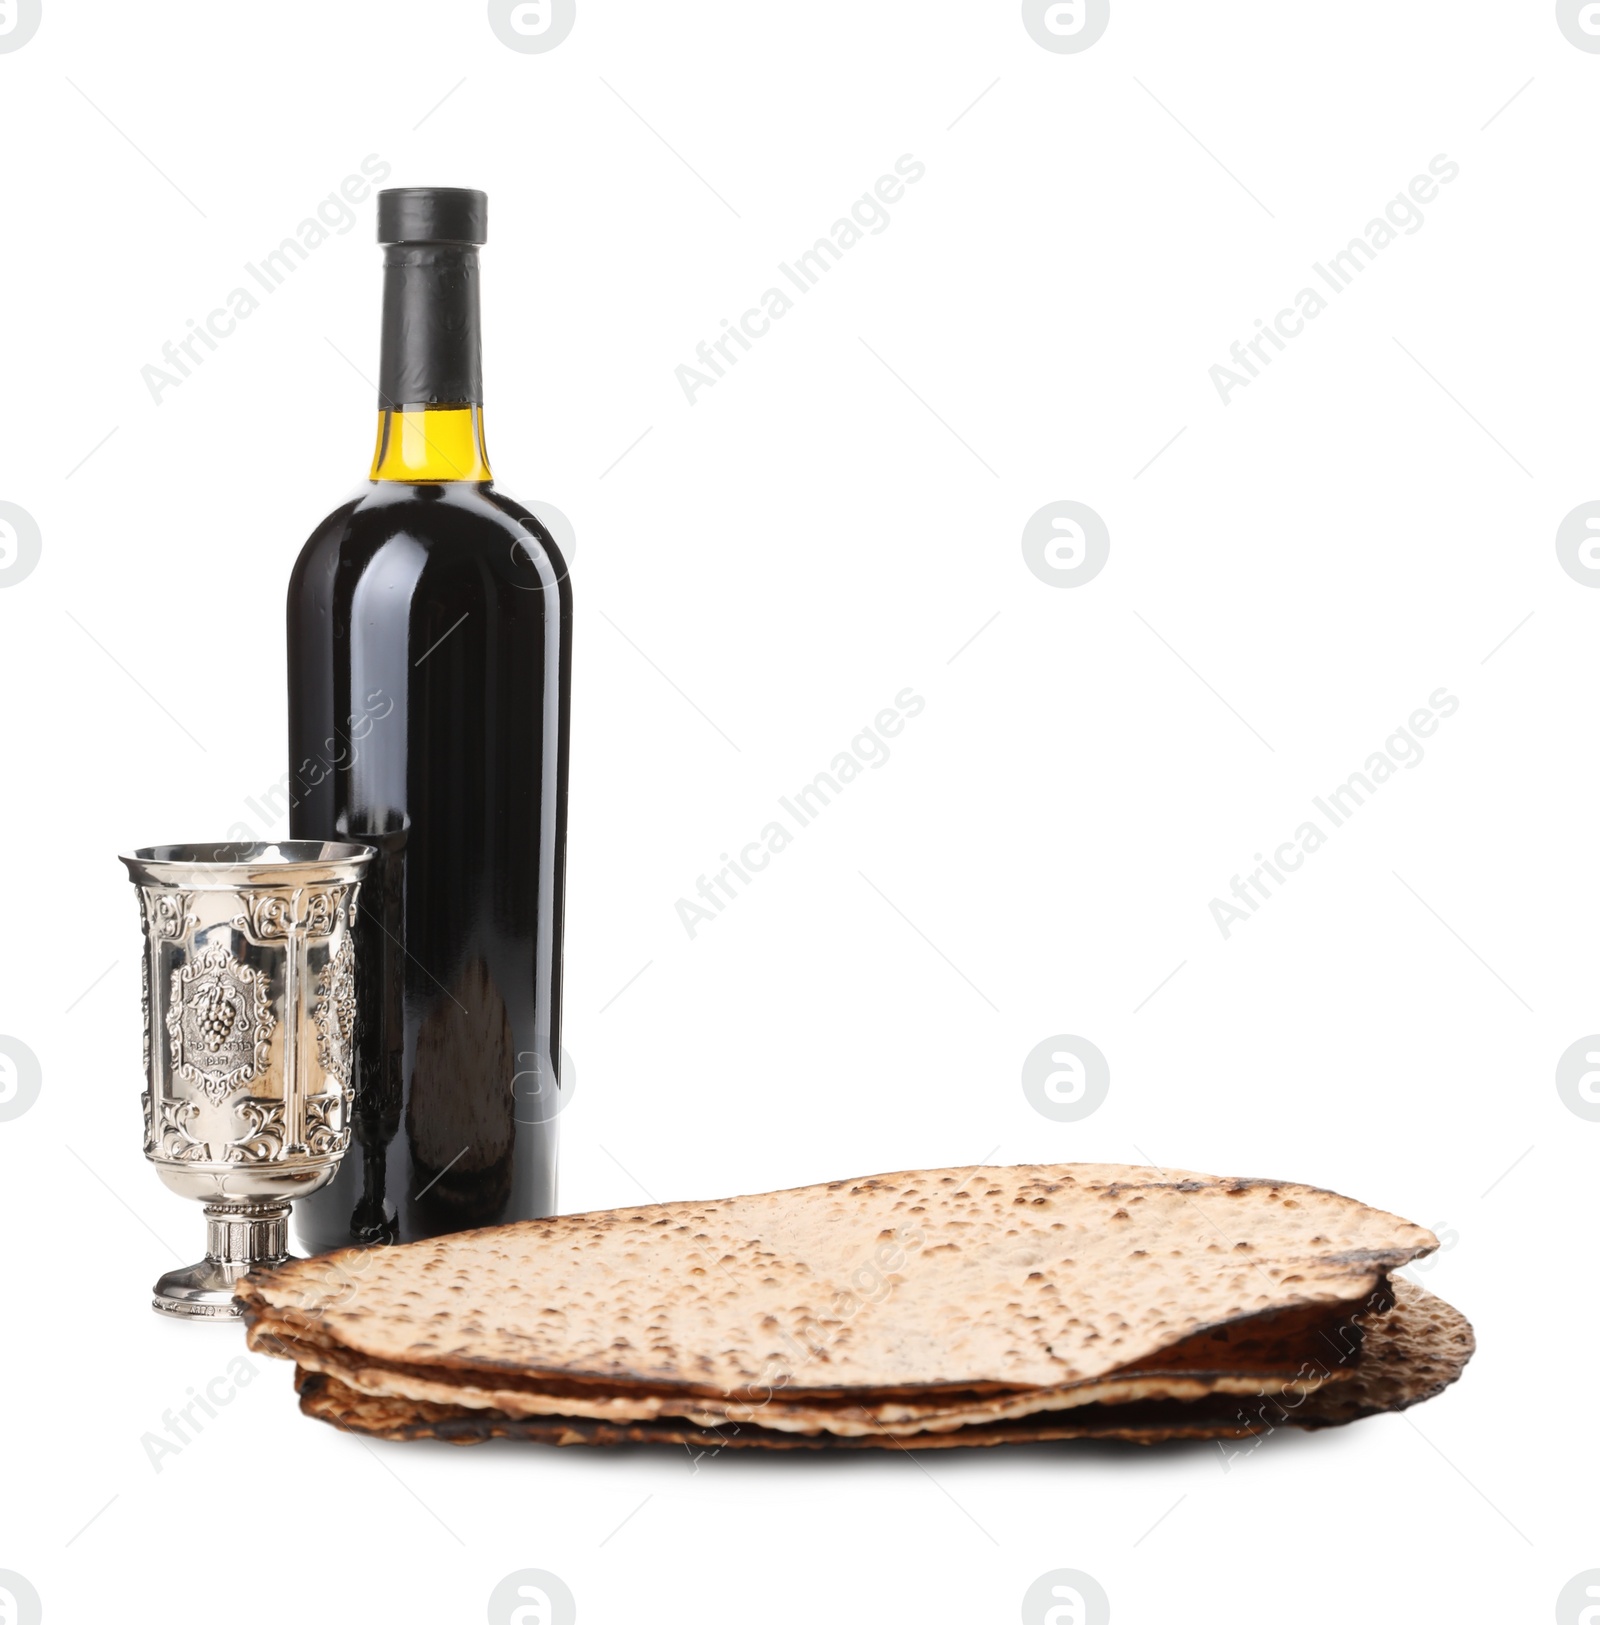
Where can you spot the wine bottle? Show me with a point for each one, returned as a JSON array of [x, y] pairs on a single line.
[[430, 625]]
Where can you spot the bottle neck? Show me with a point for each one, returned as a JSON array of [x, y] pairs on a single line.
[[430, 379], [426, 444]]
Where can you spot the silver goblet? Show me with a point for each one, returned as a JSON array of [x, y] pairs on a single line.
[[249, 1030]]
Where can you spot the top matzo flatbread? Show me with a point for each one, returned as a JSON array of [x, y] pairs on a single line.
[[973, 1280]]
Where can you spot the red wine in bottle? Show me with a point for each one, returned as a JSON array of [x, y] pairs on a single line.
[[430, 624]]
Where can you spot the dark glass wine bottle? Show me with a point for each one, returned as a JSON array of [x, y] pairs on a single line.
[[430, 624]]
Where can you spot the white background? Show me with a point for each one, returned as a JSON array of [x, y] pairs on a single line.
[[1371, 520]]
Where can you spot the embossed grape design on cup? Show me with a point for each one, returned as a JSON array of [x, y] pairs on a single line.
[[249, 985]]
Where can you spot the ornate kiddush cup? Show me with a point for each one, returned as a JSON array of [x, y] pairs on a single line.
[[249, 1029]]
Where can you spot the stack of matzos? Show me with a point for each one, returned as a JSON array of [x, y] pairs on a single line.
[[939, 1308]]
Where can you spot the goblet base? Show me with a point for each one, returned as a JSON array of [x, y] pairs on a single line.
[[203, 1291], [242, 1236]]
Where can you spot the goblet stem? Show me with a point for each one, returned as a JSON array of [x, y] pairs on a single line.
[[247, 1233]]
